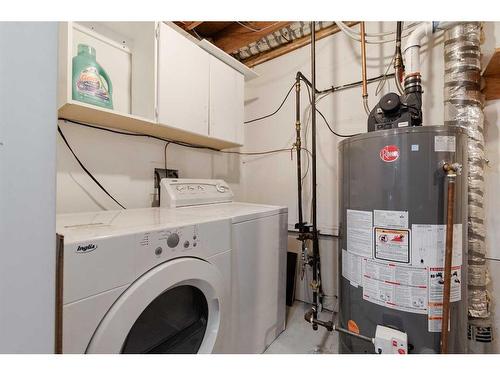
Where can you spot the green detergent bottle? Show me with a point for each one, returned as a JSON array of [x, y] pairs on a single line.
[[91, 83]]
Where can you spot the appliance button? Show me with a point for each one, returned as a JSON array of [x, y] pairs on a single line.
[[173, 240], [158, 251], [220, 188], [186, 244]]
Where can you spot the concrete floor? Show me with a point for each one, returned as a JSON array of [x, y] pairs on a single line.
[[299, 338]]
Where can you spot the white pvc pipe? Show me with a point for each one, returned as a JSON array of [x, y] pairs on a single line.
[[411, 50]]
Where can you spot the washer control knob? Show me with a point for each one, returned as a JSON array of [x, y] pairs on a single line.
[[186, 244], [221, 188], [173, 240]]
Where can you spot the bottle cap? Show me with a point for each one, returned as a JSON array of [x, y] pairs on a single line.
[[86, 49]]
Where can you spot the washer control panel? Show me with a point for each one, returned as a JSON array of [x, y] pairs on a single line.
[[177, 192], [170, 242]]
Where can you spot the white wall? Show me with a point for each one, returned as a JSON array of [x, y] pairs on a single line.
[[338, 62], [124, 166], [27, 186]]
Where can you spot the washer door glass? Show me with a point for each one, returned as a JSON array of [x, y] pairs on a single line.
[[175, 322]]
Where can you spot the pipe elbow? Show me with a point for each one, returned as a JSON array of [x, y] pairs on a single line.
[[415, 38]]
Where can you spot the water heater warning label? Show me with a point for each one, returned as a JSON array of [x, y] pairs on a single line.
[[392, 244], [397, 287]]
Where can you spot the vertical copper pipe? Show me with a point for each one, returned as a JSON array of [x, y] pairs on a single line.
[[450, 171], [363, 59], [58, 344], [363, 68]]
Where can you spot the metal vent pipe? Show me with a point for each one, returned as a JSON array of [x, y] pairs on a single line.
[[463, 107]]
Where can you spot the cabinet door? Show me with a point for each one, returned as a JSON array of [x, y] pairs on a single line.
[[226, 102], [183, 82]]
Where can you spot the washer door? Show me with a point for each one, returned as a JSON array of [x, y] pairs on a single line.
[[174, 308]]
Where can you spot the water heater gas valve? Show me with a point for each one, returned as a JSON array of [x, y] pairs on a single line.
[[390, 341]]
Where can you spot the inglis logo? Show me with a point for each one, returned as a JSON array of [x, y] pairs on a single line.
[[389, 153], [86, 249]]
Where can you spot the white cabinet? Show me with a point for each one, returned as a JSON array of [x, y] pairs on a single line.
[[226, 102], [163, 83], [127, 52], [183, 82]]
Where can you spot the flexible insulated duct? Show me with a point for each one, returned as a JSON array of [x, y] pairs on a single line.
[[463, 107]]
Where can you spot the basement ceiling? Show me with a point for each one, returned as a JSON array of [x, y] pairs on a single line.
[[254, 42]]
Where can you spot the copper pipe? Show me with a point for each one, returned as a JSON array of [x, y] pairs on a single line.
[[58, 345], [363, 68], [451, 176]]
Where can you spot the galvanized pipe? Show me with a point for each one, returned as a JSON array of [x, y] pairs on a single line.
[[315, 259], [298, 147]]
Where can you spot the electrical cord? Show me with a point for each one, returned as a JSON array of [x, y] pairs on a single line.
[[165, 154], [325, 120], [168, 142], [183, 144], [86, 170], [276, 111]]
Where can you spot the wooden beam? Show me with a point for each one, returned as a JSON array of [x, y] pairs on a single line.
[[236, 35], [293, 45], [493, 67], [190, 25], [492, 77]]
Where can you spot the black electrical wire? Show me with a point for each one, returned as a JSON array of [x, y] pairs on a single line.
[[182, 144], [86, 170], [165, 154], [333, 131], [168, 142], [276, 111], [324, 118]]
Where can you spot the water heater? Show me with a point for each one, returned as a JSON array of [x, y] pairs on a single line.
[[393, 228]]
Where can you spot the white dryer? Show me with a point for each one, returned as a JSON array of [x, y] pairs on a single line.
[[259, 246], [145, 281]]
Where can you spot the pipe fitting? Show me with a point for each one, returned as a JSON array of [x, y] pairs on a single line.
[[412, 47]]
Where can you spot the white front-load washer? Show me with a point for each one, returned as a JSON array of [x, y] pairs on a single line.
[[145, 281], [259, 247]]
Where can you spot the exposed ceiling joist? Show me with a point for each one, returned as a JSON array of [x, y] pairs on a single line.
[[238, 35], [293, 45], [190, 25]]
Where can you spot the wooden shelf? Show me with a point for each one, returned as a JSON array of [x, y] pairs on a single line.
[[492, 77], [82, 112]]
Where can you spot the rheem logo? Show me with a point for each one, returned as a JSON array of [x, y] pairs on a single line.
[[389, 153]]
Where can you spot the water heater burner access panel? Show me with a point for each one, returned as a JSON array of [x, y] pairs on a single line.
[[175, 192]]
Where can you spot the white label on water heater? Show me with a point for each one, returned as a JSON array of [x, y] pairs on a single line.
[[444, 143], [392, 244], [428, 245], [390, 219], [396, 287], [428, 248], [351, 268], [359, 232], [436, 286]]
